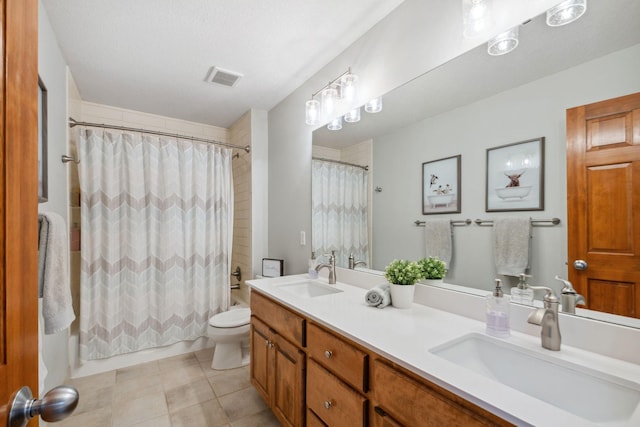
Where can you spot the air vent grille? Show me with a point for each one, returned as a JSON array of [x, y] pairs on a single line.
[[223, 77]]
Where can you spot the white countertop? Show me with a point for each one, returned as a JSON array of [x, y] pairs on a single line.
[[406, 336]]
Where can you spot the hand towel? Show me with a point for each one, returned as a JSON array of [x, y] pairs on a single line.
[[511, 245], [57, 309], [378, 296], [437, 237]]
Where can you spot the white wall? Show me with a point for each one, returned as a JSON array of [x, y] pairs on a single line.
[[533, 110], [414, 38], [52, 69]]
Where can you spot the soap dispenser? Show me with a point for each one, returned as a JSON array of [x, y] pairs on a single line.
[[498, 313], [313, 273], [522, 294]]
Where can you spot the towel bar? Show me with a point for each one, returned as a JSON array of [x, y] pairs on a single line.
[[548, 222], [456, 223]]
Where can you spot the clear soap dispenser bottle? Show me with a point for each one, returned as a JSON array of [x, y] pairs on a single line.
[[522, 293], [313, 273], [498, 313]]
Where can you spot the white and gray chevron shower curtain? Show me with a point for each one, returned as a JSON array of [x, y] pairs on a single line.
[[339, 211], [156, 220]]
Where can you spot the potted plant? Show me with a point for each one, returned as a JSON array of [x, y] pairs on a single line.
[[402, 275], [433, 270]]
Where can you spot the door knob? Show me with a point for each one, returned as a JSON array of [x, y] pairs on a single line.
[[57, 404], [580, 264]]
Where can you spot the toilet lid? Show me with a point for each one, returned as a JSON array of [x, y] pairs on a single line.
[[231, 318]]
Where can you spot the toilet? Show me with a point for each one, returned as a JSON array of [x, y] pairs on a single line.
[[230, 332]]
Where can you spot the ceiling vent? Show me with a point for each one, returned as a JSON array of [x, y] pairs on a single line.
[[223, 77]]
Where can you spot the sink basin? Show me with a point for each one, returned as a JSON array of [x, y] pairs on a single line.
[[587, 393], [309, 288]]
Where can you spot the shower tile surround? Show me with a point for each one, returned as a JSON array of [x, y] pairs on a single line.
[[238, 134], [178, 391]]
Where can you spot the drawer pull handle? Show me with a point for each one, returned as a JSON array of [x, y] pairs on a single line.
[[328, 354], [266, 342], [328, 404]]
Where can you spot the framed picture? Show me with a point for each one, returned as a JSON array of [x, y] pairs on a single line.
[[441, 186], [43, 190], [272, 267], [515, 177]]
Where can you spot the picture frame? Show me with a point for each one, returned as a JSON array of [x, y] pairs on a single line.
[[43, 181], [515, 177], [272, 267], [441, 191]]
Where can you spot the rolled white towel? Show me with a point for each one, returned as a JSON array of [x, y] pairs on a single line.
[[378, 296]]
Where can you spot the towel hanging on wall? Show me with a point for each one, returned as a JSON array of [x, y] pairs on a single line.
[[53, 273], [438, 242], [511, 245]]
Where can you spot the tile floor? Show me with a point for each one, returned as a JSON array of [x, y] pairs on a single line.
[[178, 391]]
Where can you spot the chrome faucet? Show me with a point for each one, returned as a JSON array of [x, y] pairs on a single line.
[[331, 266], [547, 317], [352, 262], [569, 297]]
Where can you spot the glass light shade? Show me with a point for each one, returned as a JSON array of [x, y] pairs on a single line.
[[476, 17], [352, 116], [348, 87], [335, 124], [374, 105], [566, 12], [329, 97], [503, 42], [312, 112]]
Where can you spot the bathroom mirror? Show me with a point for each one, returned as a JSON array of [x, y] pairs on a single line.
[[477, 102]]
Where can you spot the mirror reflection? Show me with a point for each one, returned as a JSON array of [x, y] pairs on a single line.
[[472, 104]]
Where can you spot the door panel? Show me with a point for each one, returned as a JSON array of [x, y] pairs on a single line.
[[603, 203]]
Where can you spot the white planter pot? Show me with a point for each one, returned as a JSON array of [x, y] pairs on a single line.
[[402, 295], [432, 281]]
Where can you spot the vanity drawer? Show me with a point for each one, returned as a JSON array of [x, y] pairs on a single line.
[[332, 400], [285, 322], [337, 355], [430, 405]]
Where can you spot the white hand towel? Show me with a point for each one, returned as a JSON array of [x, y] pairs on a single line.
[[57, 308], [378, 296], [437, 237], [511, 245]]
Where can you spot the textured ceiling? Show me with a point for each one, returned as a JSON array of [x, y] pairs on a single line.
[[154, 55]]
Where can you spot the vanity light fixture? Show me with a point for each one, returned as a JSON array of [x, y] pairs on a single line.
[[503, 43], [335, 124], [352, 116], [341, 88], [476, 17], [566, 12], [312, 112], [374, 105]]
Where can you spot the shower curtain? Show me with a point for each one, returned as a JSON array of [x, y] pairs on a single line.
[[156, 221], [339, 210]]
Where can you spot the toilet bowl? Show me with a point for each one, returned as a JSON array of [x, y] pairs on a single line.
[[230, 332]]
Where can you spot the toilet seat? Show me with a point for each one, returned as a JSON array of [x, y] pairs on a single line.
[[231, 318]]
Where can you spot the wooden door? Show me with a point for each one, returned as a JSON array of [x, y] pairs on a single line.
[[260, 343], [603, 203], [288, 383], [18, 200]]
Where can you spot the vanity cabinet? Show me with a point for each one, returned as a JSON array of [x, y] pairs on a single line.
[[311, 375], [278, 366]]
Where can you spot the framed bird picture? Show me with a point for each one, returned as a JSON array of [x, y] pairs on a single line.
[[515, 177], [441, 186]]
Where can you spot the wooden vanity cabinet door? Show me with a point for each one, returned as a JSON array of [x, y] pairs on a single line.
[[338, 356], [420, 403], [261, 338], [313, 420], [332, 400], [288, 393], [379, 418]]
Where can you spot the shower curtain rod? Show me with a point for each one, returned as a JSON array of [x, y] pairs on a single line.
[[365, 167], [73, 123]]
